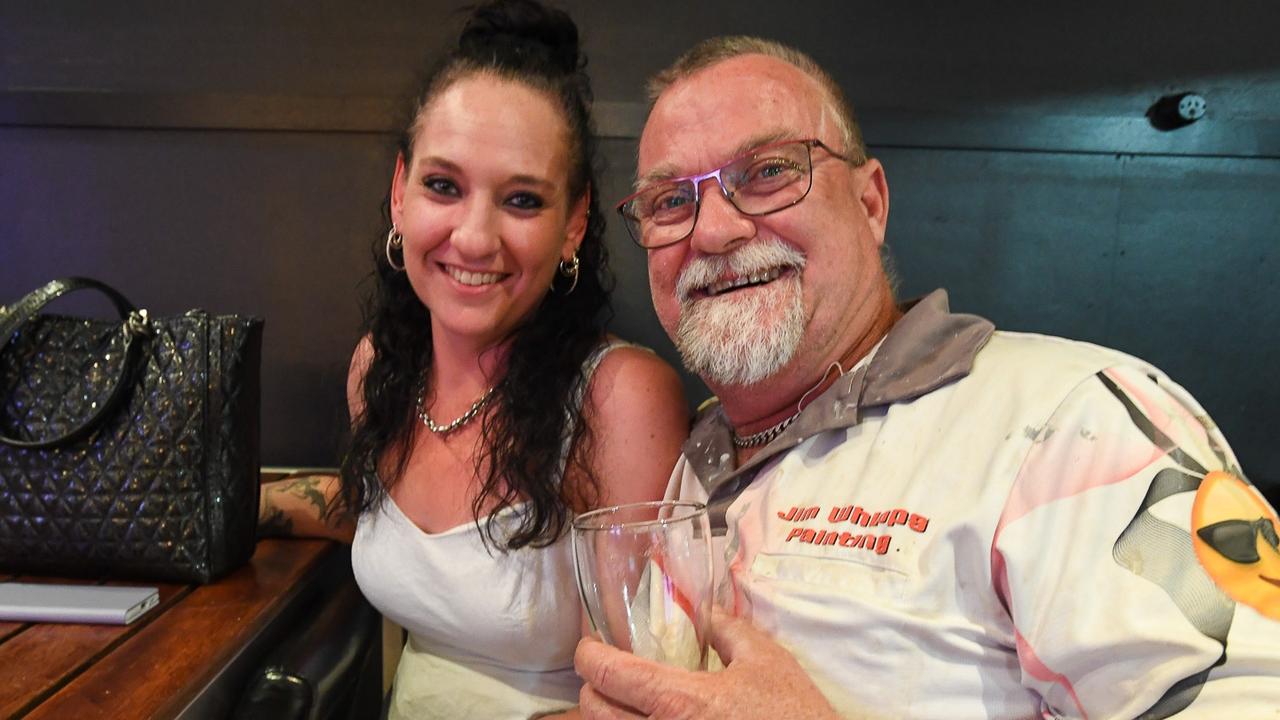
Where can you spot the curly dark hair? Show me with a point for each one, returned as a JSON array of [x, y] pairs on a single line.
[[524, 430]]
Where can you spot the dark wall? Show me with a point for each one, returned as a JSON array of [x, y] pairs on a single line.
[[233, 156]]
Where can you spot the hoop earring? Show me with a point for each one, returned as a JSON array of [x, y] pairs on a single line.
[[395, 240], [569, 268]]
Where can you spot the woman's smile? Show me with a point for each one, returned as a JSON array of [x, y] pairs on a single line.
[[473, 278]]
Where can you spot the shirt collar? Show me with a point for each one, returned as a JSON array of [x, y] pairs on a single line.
[[927, 348]]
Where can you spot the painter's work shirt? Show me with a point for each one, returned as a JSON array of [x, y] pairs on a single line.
[[980, 524]]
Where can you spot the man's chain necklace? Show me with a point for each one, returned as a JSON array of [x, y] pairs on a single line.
[[766, 435]]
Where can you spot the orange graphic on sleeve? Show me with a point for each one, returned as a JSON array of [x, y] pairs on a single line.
[[1234, 533]]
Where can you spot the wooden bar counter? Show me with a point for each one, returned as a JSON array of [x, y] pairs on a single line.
[[190, 657]]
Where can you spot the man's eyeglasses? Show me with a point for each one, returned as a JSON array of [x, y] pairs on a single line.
[[764, 180], [1234, 539]]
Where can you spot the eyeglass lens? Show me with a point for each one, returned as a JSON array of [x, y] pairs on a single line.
[[756, 184], [1234, 539]]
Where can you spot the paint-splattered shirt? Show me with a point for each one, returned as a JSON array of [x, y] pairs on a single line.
[[998, 525]]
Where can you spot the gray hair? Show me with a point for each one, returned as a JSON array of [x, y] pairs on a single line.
[[718, 49]]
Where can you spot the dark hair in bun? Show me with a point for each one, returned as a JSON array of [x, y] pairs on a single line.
[[530, 43], [521, 35], [526, 42]]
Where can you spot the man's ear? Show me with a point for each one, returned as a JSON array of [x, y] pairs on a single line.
[[576, 228], [875, 197], [398, 183]]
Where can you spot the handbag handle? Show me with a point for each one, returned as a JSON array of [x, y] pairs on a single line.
[[135, 326]]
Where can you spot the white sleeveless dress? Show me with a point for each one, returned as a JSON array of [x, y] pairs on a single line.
[[491, 632]]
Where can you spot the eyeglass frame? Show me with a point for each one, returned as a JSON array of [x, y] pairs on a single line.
[[698, 179]]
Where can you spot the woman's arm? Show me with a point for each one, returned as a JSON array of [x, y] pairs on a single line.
[[302, 506], [639, 419]]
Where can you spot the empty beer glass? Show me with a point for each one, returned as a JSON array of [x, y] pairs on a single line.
[[644, 571]]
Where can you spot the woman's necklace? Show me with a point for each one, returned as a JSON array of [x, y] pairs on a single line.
[[466, 417]]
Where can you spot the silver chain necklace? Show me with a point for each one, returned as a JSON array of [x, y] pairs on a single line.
[[466, 417], [766, 435]]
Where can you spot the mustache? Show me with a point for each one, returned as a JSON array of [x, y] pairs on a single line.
[[750, 259]]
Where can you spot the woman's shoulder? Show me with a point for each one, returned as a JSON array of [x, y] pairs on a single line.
[[638, 414], [632, 384], [619, 365], [614, 345]]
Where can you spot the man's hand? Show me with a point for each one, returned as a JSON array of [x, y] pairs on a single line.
[[760, 680]]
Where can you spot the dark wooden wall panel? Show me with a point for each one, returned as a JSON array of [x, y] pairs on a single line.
[[1170, 259], [234, 155], [1082, 57], [275, 225]]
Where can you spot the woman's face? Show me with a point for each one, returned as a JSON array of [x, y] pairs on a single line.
[[484, 207]]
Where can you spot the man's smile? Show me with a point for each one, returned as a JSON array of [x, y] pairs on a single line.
[[739, 282], [734, 283]]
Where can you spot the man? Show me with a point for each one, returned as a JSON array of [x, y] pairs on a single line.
[[922, 517]]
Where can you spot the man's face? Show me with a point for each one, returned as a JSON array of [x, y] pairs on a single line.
[[746, 298]]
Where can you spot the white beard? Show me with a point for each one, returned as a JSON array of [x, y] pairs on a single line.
[[745, 336]]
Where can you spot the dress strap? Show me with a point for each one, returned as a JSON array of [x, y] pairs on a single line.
[[589, 368]]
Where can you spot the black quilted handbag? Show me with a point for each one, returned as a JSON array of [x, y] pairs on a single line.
[[127, 449]]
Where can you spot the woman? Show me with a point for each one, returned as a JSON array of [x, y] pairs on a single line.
[[488, 405]]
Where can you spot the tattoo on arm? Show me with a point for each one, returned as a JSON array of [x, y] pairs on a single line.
[[276, 524], [306, 489], [309, 490]]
